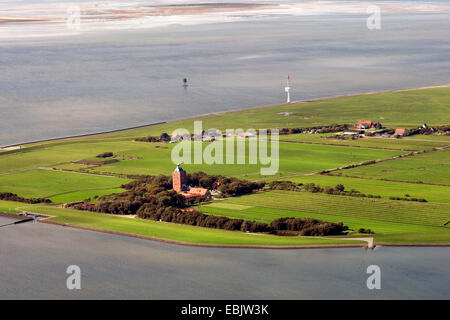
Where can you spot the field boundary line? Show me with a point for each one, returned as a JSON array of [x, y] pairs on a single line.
[[370, 162], [347, 146]]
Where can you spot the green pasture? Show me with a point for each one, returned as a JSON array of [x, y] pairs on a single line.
[[385, 217], [372, 142], [167, 231], [385, 189], [155, 158], [404, 212], [267, 215], [294, 159], [57, 185], [431, 168]]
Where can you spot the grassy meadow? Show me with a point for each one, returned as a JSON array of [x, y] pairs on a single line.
[[425, 168], [385, 189], [384, 217], [58, 185]]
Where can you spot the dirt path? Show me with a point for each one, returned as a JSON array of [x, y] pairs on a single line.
[[369, 240]]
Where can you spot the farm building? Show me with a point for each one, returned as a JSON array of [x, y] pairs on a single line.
[[400, 132], [365, 124], [196, 192]]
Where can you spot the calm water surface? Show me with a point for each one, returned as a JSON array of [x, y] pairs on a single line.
[[65, 85], [34, 258]]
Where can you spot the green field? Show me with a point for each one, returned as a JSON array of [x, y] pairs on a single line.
[[377, 143], [431, 168], [385, 189], [294, 159], [49, 169], [162, 230], [385, 217], [153, 159], [60, 186]]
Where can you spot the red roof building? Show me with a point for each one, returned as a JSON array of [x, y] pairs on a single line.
[[196, 192], [365, 124], [400, 132]]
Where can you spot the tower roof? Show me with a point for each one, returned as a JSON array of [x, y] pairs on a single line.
[[178, 168]]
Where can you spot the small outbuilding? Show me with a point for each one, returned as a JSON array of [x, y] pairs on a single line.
[[400, 132]]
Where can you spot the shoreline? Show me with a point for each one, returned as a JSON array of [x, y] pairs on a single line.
[[214, 113], [224, 246]]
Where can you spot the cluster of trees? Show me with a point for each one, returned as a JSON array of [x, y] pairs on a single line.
[[130, 201], [408, 199], [318, 129], [314, 188], [163, 137], [105, 155], [151, 197], [229, 187], [308, 226], [146, 183], [155, 193], [429, 130], [344, 137], [337, 190], [284, 185], [8, 196], [196, 218], [445, 129]]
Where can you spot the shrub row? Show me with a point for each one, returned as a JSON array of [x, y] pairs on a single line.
[[408, 199], [8, 196], [196, 218], [164, 137], [318, 129], [307, 226], [105, 155]]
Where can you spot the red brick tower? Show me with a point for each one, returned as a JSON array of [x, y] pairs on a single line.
[[178, 178]]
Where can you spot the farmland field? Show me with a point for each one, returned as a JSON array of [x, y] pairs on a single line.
[[378, 143], [406, 212], [432, 168], [155, 158], [385, 189], [294, 159], [385, 217], [47, 183]]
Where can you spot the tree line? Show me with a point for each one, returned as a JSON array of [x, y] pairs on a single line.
[[8, 196]]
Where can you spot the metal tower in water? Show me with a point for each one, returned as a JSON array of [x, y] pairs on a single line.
[[287, 89]]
